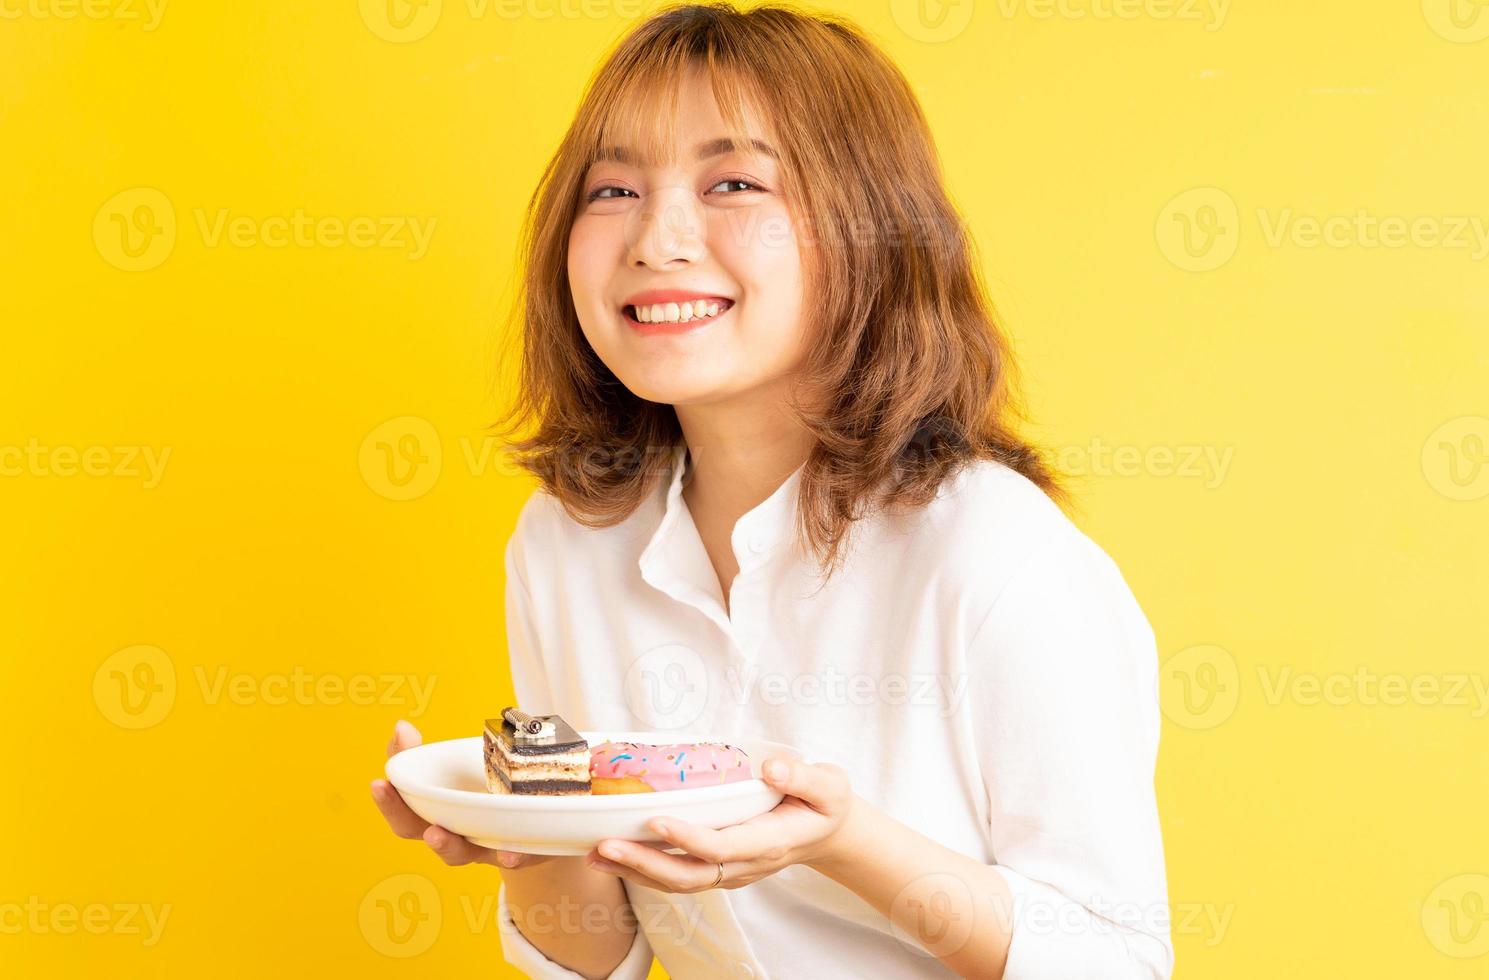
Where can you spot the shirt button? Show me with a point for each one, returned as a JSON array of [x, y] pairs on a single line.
[[757, 543], [744, 970]]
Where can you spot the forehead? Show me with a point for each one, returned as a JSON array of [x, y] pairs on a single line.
[[679, 120]]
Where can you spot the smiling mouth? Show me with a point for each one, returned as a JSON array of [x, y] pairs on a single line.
[[672, 317]]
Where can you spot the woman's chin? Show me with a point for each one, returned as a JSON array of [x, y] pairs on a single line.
[[677, 390]]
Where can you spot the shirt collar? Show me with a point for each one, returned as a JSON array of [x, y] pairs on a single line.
[[674, 559]]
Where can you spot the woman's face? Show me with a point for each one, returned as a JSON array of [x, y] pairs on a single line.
[[710, 228]]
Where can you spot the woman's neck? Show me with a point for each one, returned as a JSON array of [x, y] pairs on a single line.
[[738, 458]]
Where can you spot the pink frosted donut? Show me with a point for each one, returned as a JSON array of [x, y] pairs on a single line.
[[634, 767]]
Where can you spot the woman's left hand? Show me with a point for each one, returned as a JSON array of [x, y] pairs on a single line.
[[804, 827]]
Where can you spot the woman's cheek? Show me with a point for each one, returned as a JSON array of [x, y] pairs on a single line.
[[588, 265]]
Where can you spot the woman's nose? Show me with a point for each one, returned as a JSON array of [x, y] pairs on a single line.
[[667, 228]]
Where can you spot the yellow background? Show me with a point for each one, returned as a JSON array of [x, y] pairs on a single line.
[[1329, 835]]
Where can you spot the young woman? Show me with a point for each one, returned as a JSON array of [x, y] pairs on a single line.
[[783, 498]]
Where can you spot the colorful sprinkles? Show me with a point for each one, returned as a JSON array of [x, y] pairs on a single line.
[[618, 760]]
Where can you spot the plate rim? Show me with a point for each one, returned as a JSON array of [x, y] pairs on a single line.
[[618, 801]]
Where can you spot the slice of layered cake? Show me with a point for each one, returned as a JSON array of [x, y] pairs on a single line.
[[535, 755]]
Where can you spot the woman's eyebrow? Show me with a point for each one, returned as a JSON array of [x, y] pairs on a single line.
[[703, 151]]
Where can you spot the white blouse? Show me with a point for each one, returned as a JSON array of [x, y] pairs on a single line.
[[979, 668]]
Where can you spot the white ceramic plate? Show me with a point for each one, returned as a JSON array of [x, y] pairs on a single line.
[[445, 783]]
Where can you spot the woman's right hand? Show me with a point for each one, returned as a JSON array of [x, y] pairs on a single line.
[[451, 848]]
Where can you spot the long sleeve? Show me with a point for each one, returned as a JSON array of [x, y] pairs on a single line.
[[533, 693], [1064, 670]]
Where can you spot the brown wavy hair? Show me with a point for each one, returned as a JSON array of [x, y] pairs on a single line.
[[910, 374]]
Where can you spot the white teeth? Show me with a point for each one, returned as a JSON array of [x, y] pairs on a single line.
[[677, 312]]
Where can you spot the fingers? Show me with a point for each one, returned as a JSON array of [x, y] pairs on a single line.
[[632, 875], [516, 859], [455, 850], [451, 848], [405, 736], [650, 866], [824, 786], [753, 840], [405, 822], [597, 863]]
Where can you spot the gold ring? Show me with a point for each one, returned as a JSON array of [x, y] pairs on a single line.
[[720, 877]]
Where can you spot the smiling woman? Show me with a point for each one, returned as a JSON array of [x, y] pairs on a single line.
[[848, 291], [752, 323]]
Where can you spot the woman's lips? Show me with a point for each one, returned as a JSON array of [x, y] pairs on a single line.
[[651, 329]]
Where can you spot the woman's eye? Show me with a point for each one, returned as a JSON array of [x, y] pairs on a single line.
[[598, 194], [745, 184], [735, 186]]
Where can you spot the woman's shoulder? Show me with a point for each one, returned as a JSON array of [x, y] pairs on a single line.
[[541, 521], [544, 527], [986, 504], [989, 523]]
